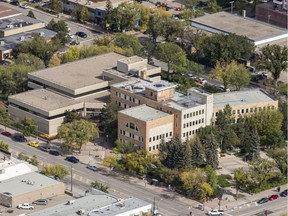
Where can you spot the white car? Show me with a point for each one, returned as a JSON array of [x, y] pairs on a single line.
[[92, 167], [215, 212], [24, 6], [25, 206], [70, 36]]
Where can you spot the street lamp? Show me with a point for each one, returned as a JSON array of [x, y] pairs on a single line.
[[71, 171], [231, 6], [269, 19]]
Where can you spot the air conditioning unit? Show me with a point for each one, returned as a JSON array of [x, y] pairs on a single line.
[[41, 34], [22, 38], [2, 43]]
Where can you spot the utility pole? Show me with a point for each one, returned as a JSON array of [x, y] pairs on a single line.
[[231, 6], [71, 171]]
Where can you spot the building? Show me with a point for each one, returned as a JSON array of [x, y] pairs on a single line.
[[81, 85], [257, 32], [243, 102], [96, 9], [143, 121], [97, 204], [20, 183], [16, 27], [274, 13]]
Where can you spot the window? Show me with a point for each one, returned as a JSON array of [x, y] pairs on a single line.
[[255, 109], [157, 138], [233, 112], [190, 115], [216, 114], [132, 125], [157, 146], [116, 94], [196, 113], [238, 111], [242, 111], [153, 147], [251, 109], [121, 132], [247, 110], [183, 134], [166, 134], [170, 133], [154, 138], [151, 94], [202, 111], [149, 148], [260, 108], [150, 139], [185, 116], [202, 120]]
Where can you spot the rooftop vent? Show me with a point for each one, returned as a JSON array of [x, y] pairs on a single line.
[[22, 38], [41, 34], [2, 43], [158, 85]]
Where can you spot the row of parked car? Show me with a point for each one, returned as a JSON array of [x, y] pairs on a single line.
[[273, 197], [31, 206]]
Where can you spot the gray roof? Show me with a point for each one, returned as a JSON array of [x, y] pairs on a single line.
[[160, 85], [26, 183], [11, 41], [144, 113], [229, 23], [240, 97], [79, 74], [15, 22]]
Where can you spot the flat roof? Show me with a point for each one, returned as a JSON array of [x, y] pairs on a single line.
[[131, 59], [16, 22], [240, 98], [99, 4], [43, 99], [144, 113], [11, 41], [229, 23], [78, 74], [160, 85], [26, 183], [7, 12]]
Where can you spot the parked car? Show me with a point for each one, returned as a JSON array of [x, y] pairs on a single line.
[[73, 43], [284, 193], [273, 197], [6, 133], [25, 206], [24, 6], [33, 144], [178, 9], [81, 34], [40, 202], [263, 200], [16, 3], [45, 148], [70, 36], [72, 159], [54, 152], [91, 167], [19, 138], [215, 212]]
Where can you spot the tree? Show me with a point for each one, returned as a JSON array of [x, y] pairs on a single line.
[[4, 146], [108, 119], [211, 152], [80, 13], [171, 28], [71, 116], [23, 156], [213, 7], [55, 5], [155, 26], [241, 179], [149, 48], [280, 157], [130, 42], [51, 25], [198, 153], [274, 59], [31, 14], [189, 3], [211, 177], [171, 54], [34, 161], [124, 147], [71, 55], [28, 126], [59, 171], [222, 48], [254, 145], [61, 26], [206, 191], [108, 14], [54, 61], [187, 163], [5, 118], [233, 74], [30, 60], [78, 133], [100, 186]]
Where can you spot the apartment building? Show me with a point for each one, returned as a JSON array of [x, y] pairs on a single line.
[[81, 85]]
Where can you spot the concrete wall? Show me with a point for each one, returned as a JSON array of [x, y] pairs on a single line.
[[18, 30]]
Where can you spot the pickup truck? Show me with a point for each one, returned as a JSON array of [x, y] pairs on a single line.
[[25, 206], [215, 212]]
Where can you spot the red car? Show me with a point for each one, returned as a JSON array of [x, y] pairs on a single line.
[[273, 197], [177, 9], [6, 133]]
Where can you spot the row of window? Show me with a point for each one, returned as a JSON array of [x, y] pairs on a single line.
[[189, 133], [247, 110], [132, 126], [153, 147], [133, 136], [199, 121], [123, 105], [127, 97], [196, 113], [159, 137]]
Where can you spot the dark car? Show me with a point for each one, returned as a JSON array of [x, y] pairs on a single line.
[[81, 34], [16, 3], [19, 138], [6, 133], [53, 152], [40, 202], [45, 148], [263, 200], [284, 193], [72, 159], [273, 197]]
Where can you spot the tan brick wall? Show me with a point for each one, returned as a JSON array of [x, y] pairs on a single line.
[[159, 95]]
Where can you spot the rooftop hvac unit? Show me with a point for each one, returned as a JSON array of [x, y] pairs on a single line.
[[41, 34], [22, 38], [2, 43], [9, 26]]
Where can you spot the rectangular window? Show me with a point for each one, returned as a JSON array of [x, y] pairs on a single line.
[[190, 132], [166, 134], [216, 114], [242, 111], [260, 108], [170, 133], [116, 94], [196, 113], [184, 125], [151, 94], [183, 134], [150, 139], [185, 116], [202, 111], [251, 109], [233, 112], [154, 138], [190, 115], [153, 147], [149, 148], [157, 146], [203, 120], [193, 122], [247, 110], [238, 111], [157, 138]]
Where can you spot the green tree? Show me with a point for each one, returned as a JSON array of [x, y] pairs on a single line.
[[4, 145], [254, 145], [212, 178], [198, 153], [211, 152], [192, 180], [124, 147], [187, 164], [189, 3], [274, 59], [232, 75], [280, 157], [61, 26], [108, 119], [108, 14], [71, 116], [171, 28], [51, 25], [23, 156], [283, 109], [78, 133], [28, 126], [149, 48], [100, 186], [56, 6], [58, 171], [80, 13], [5, 118], [34, 161], [206, 191], [171, 54], [31, 14], [71, 55], [241, 180], [155, 26], [130, 42], [30, 60], [213, 7]]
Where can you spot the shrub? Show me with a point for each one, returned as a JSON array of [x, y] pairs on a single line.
[[223, 180]]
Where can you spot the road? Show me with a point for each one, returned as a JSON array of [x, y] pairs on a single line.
[[168, 206]]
